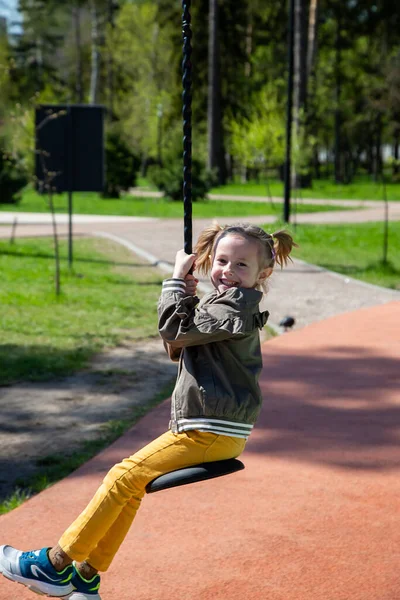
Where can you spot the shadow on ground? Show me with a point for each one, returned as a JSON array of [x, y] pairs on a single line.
[[38, 362], [339, 406]]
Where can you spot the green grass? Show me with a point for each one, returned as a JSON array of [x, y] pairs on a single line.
[[55, 467], [109, 296], [20, 495], [361, 189], [91, 203], [355, 250]]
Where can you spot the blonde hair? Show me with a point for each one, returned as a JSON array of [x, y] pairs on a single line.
[[276, 246]]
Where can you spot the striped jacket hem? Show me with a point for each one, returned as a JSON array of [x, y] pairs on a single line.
[[229, 428]]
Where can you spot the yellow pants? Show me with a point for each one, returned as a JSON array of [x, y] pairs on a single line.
[[98, 532]]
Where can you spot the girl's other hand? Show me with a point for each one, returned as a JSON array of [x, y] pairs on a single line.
[[191, 285], [183, 263]]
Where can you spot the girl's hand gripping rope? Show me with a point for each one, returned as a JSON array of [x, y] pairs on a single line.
[[183, 263]]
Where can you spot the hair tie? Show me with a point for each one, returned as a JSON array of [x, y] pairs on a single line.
[[273, 253]]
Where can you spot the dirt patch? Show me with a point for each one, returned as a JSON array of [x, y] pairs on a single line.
[[56, 417]]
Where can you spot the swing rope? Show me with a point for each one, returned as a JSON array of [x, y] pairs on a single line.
[[218, 468], [187, 125]]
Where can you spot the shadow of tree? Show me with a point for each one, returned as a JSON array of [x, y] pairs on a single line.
[[40, 362], [340, 406], [71, 419], [50, 256]]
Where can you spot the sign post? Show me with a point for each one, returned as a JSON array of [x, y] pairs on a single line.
[[70, 146]]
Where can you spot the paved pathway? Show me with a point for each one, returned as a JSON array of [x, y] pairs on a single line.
[[364, 210], [315, 514]]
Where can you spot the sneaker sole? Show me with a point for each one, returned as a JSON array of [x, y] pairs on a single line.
[[80, 596], [51, 593]]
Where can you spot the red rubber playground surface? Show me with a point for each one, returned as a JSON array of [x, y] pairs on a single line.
[[314, 516]]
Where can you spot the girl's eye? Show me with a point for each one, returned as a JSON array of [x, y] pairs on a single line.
[[241, 265]]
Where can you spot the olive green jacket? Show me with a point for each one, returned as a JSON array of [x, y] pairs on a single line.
[[217, 343]]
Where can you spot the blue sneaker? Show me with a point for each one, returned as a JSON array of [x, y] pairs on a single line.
[[34, 570], [86, 589]]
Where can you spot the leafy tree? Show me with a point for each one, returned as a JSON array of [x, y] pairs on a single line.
[[169, 179], [257, 142], [35, 48], [238, 29], [351, 109], [216, 159], [13, 177], [5, 82], [122, 166], [145, 85]]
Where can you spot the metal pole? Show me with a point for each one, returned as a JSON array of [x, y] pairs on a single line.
[[187, 124], [385, 223], [288, 166], [69, 178], [70, 248]]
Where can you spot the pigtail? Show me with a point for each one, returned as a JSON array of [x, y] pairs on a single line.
[[283, 245], [204, 247]]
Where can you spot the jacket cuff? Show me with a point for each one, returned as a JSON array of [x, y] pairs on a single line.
[[173, 285]]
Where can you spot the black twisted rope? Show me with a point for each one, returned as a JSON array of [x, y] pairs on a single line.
[[187, 124]]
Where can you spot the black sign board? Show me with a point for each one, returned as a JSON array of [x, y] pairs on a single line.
[[70, 144]]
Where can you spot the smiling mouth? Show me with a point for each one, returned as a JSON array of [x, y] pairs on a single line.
[[228, 283]]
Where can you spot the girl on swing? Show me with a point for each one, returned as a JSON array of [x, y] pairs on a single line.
[[215, 402]]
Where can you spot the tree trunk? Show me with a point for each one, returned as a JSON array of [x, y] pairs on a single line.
[[112, 6], [94, 74], [338, 88], [39, 64], [396, 143], [249, 45], [79, 65], [216, 158], [312, 36], [299, 74], [316, 163], [300, 61], [378, 163], [370, 155]]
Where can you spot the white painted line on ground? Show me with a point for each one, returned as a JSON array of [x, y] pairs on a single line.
[[163, 265]]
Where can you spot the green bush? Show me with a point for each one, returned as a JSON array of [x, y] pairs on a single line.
[[122, 166], [169, 179], [13, 178]]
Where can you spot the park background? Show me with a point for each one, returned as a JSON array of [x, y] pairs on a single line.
[[127, 57]]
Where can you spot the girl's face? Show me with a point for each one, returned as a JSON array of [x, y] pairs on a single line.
[[237, 264]]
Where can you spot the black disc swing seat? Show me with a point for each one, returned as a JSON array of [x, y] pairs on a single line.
[[218, 468], [193, 474]]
